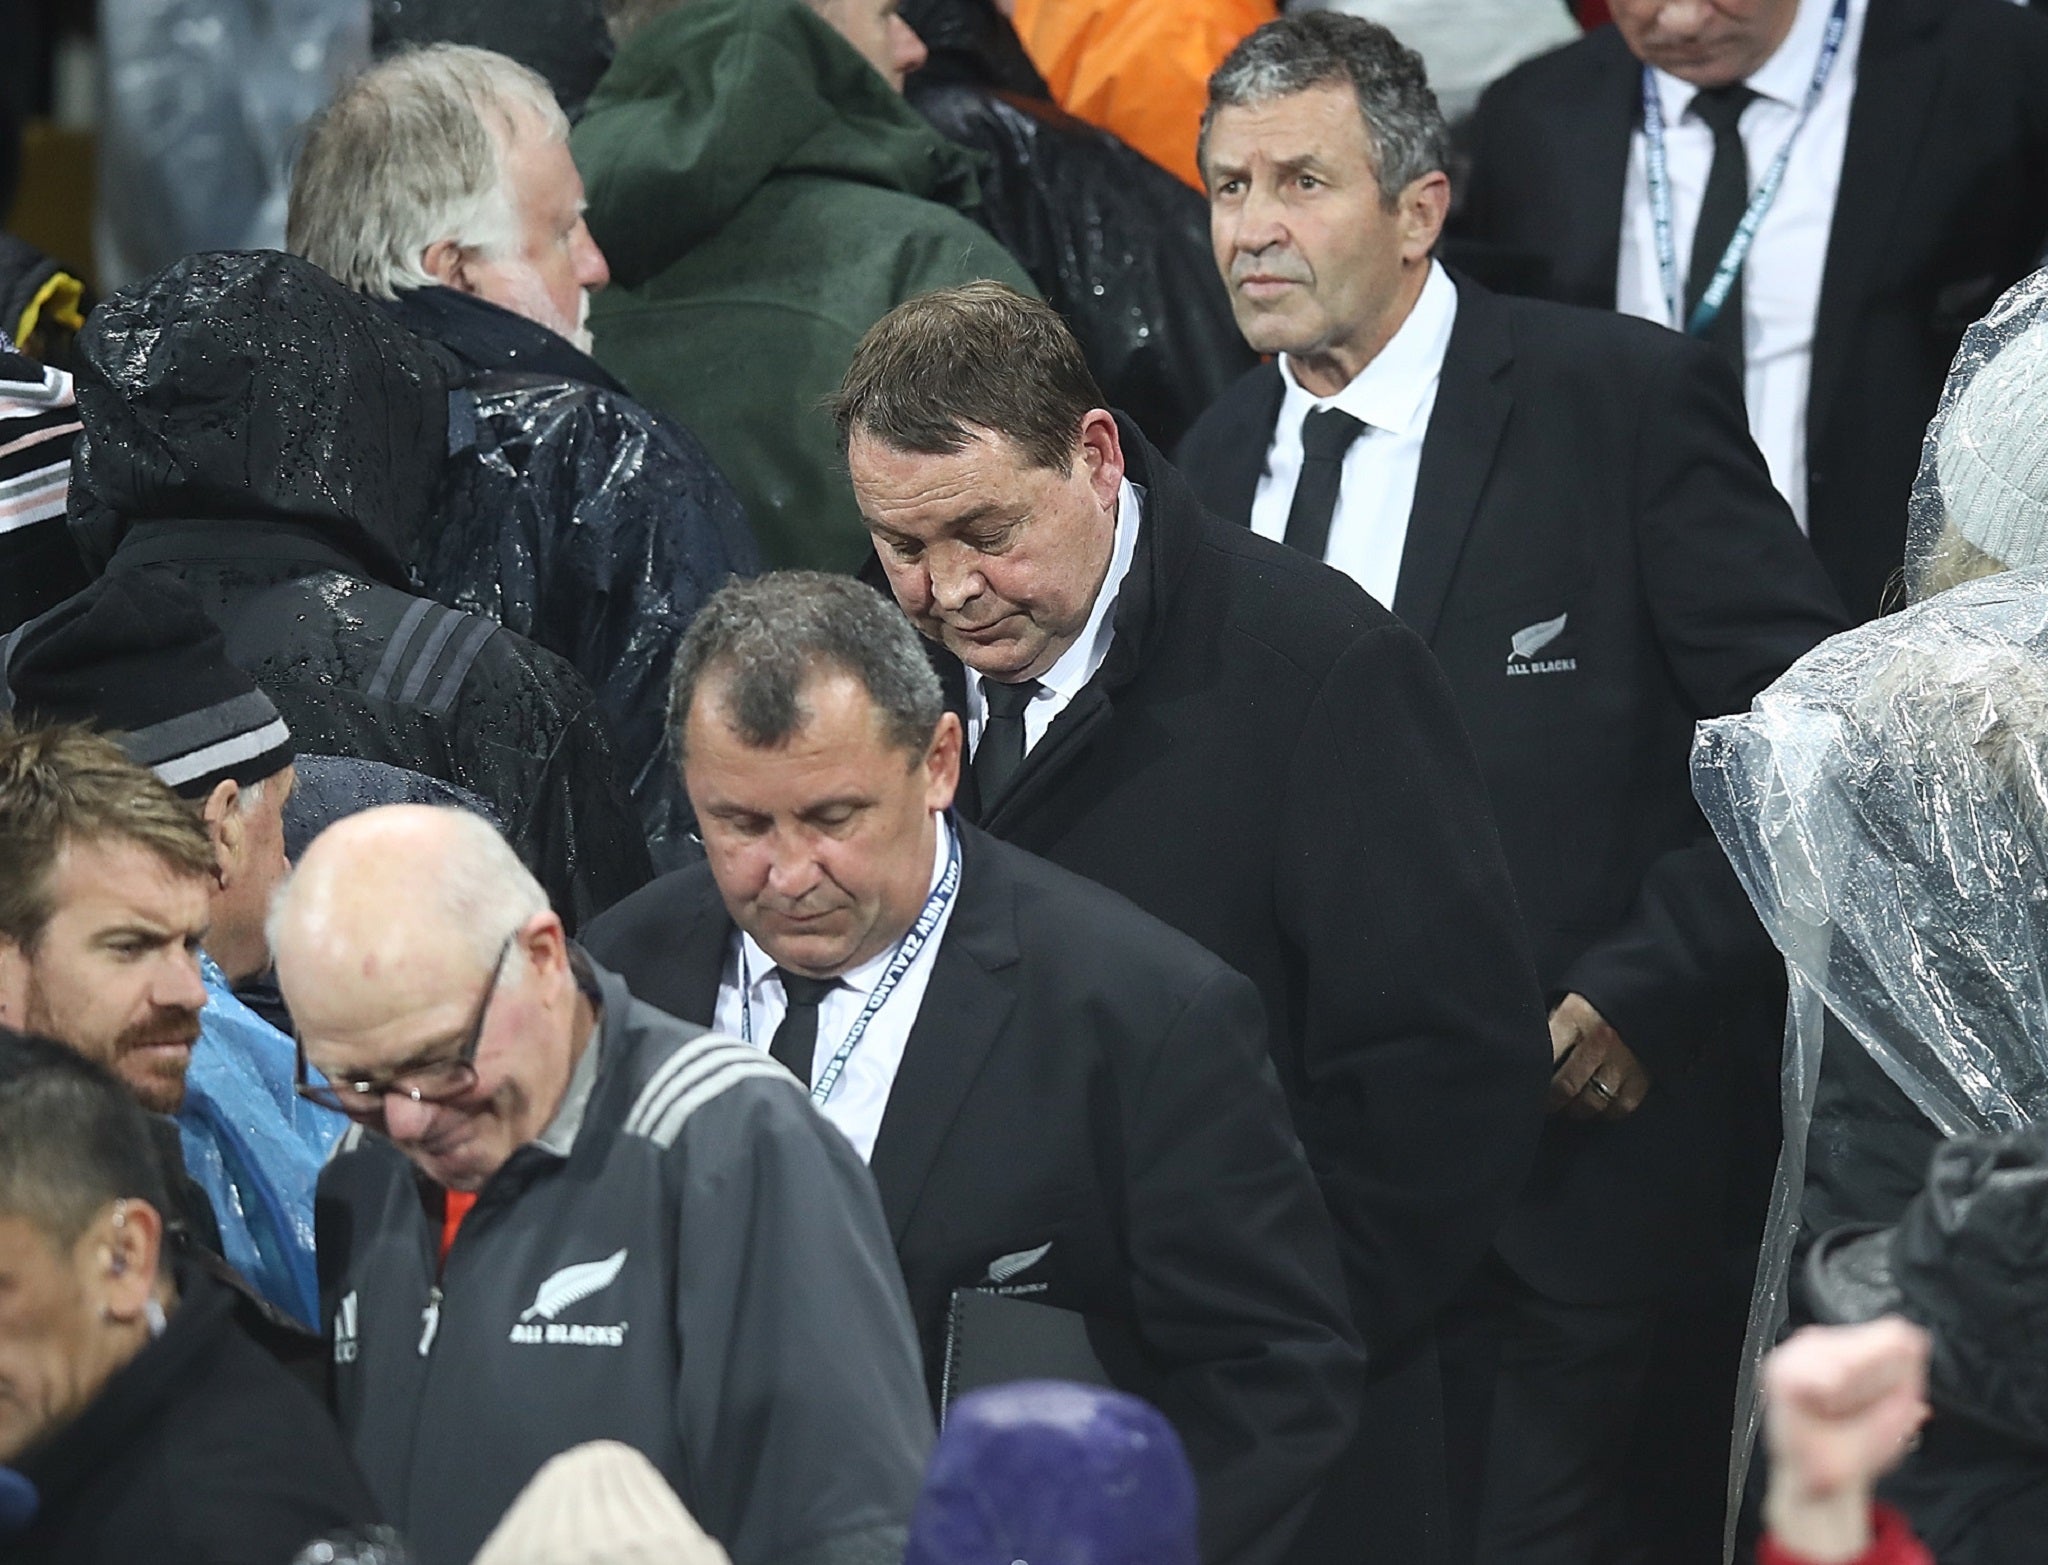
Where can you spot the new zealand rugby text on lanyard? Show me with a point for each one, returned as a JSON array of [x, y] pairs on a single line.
[[935, 907], [1709, 308]]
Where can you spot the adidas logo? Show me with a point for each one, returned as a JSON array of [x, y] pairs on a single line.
[[345, 1329], [571, 1285]]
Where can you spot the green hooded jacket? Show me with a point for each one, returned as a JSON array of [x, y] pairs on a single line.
[[764, 198]]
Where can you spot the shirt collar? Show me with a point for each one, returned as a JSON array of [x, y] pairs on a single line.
[[1785, 76], [1077, 665], [560, 1136], [1391, 391], [759, 966]]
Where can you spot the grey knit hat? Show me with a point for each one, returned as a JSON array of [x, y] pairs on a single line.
[[599, 1504], [1993, 454]]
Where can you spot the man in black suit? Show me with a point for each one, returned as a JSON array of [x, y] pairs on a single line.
[[1915, 189], [1565, 505], [1250, 748], [1060, 1098]]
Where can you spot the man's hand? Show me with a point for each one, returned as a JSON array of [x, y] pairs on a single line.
[[1594, 1075], [1841, 1404]]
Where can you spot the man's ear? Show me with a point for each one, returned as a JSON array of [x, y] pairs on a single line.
[[119, 1254], [942, 762], [447, 262], [1103, 449], [1425, 208], [224, 824]]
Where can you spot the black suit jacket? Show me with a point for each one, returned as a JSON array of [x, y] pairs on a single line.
[[1272, 763], [1082, 1077], [1594, 469], [1943, 203]]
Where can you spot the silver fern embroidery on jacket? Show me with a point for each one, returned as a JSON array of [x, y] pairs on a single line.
[[573, 1284]]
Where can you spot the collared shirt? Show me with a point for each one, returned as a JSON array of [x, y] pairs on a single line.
[[1077, 665], [862, 1092], [560, 1135], [1394, 396], [1781, 280]]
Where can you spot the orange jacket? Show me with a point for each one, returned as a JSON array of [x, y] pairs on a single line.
[[1138, 68]]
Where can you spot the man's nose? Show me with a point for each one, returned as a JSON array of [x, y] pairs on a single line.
[[592, 270], [955, 576], [792, 867], [405, 1120], [178, 985], [1682, 18], [906, 47], [1259, 223]]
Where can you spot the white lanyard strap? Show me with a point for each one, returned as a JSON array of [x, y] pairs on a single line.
[[905, 958], [1709, 308]]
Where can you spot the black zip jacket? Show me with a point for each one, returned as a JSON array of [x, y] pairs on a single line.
[[689, 1260]]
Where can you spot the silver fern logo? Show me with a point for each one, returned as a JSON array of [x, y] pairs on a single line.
[[574, 1284], [1006, 1267], [1525, 645], [569, 1286], [1532, 639]]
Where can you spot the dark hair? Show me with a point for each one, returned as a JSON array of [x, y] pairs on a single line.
[[72, 1139], [767, 638], [1321, 48], [934, 371]]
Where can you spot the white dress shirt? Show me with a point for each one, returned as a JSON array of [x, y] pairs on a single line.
[[1059, 684], [1393, 396], [861, 1094], [1782, 277]]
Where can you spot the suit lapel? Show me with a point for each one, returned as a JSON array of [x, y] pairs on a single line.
[[1593, 140], [701, 946], [1472, 406], [1897, 78], [966, 1006], [1241, 461]]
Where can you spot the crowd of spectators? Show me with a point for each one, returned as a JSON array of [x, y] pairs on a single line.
[[1016, 782]]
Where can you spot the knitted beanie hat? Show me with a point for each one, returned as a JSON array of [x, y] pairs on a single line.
[[599, 1504], [1048, 1473], [1992, 454], [137, 658]]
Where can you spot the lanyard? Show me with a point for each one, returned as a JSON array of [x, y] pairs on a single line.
[[905, 958], [1709, 308]]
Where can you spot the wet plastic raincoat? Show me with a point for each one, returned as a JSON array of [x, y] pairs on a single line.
[[256, 1148], [763, 199], [1885, 804], [277, 442], [581, 519]]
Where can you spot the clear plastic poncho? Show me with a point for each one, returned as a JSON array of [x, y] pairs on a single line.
[[1885, 804], [1980, 503]]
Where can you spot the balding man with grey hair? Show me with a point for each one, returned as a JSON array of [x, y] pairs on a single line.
[[1062, 1100], [564, 1216]]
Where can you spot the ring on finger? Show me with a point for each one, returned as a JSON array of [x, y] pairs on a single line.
[[1600, 1087]]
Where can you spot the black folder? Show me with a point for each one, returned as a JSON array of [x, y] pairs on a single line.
[[994, 1338]]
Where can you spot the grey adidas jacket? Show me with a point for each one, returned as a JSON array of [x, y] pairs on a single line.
[[690, 1260]]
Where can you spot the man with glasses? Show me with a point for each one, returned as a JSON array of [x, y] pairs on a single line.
[[564, 1216]]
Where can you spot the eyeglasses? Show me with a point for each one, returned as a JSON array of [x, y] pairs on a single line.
[[439, 1081]]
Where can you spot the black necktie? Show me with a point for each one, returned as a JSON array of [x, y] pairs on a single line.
[[1001, 750], [1721, 209], [1326, 434], [796, 1040]]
